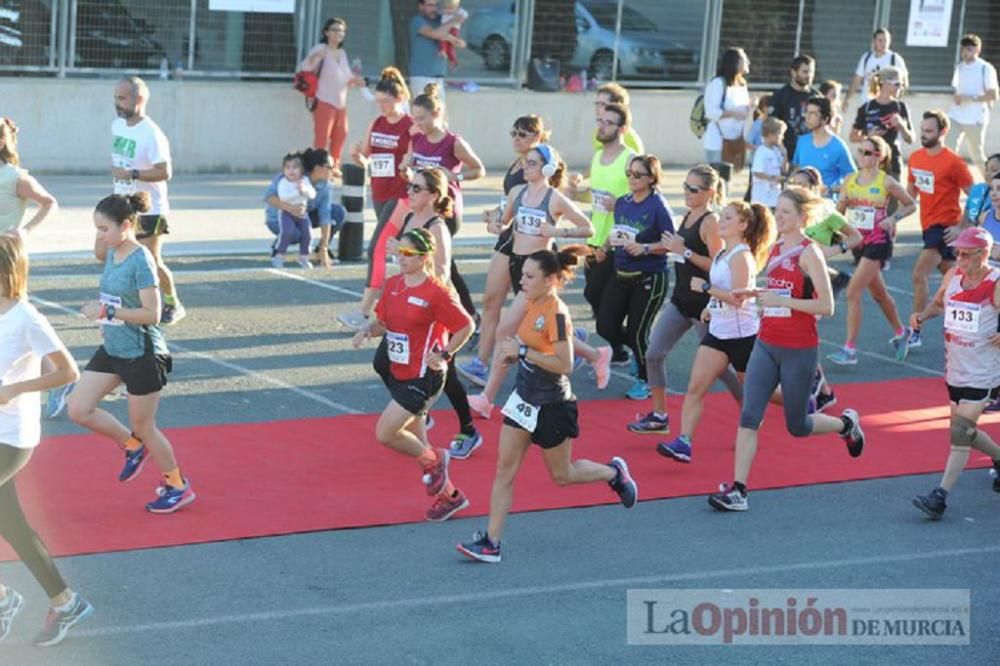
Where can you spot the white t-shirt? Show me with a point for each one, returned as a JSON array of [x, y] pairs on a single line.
[[140, 146], [875, 63], [25, 338], [767, 160], [290, 192], [728, 128], [973, 79]]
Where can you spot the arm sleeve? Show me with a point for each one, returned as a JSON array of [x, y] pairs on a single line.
[[558, 327], [41, 336], [713, 99]]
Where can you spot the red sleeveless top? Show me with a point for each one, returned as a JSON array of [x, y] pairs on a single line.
[[442, 156], [784, 327], [388, 143]]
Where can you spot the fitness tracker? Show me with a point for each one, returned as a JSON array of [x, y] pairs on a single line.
[[688, 253]]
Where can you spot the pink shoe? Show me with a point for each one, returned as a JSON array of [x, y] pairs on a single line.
[[481, 405], [602, 367]]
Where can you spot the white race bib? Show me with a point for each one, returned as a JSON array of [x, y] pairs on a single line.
[[398, 345], [123, 186], [520, 412], [383, 165], [529, 221], [604, 202], [715, 304], [116, 302], [923, 180], [779, 311], [962, 317], [862, 217], [622, 234]]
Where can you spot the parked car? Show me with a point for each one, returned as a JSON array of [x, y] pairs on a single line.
[[644, 50]]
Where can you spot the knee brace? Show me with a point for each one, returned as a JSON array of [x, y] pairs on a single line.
[[963, 432]]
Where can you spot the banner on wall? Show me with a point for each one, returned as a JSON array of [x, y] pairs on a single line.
[[264, 6], [929, 24]]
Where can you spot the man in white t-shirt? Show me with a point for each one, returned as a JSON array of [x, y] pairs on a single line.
[[873, 61], [140, 162], [975, 85]]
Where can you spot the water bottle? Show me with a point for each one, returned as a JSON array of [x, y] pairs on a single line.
[[164, 68]]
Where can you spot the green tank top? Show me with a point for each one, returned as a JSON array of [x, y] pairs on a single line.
[[12, 207], [607, 183]]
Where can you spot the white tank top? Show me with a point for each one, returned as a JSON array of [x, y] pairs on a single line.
[[970, 318], [729, 322]]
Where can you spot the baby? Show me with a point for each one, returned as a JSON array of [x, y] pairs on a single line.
[[450, 10], [296, 190]]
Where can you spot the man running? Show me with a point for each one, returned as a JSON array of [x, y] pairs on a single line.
[[140, 162], [937, 177]]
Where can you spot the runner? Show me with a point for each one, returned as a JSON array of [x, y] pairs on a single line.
[[969, 299], [415, 315], [26, 338], [542, 408], [431, 206], [613, 93], [638, 286], [865, 199], [435, 146], [823, 149], [733, 322], [937, 177], [385, 144], [694, 244], [140, 158], [534, 210], [991, 223], [133, 352], [528, 132], [787, 347], [885, 116]]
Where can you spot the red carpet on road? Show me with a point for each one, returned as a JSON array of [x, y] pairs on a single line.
[[318, 474]]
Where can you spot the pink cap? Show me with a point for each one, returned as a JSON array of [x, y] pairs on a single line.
[[974, 238]]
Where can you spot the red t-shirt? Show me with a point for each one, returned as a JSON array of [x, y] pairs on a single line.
[[417, 320], [784, 327], [388, 143], [939, 181]]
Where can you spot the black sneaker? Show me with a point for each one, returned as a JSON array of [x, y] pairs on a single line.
[[171, 314], [839, 282], [824, 400], [855, 437], [996, 476], [621, 357], [57, 623], [932, 505], [481, 548], [728, 499], [623, 485]]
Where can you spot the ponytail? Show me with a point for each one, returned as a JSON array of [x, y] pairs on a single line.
[[391, 83], [562, 262], [761, 232], [8, 134]]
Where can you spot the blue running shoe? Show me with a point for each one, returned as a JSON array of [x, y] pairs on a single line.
[[844, 356], [678, 449], [56, 401], [639, 391], [650, 424], [463, 445], [57, 623], [134, 461], [474, 370], [623, 484], [481, 548], [580, 334], [993, 407], [901, 343], [171, 499]]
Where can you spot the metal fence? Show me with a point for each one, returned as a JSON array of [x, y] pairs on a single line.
[[672, 43]]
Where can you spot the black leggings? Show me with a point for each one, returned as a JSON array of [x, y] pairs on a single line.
[[14, 527], [454, 224], [628, 309]]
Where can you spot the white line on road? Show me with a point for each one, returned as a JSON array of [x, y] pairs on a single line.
[[480, 596]]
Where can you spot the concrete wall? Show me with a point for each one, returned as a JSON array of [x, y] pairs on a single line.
[[248, 126]]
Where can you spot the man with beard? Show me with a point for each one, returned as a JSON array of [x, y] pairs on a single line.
[[937, 177], [140, 162], [608, 181], [789, 103]]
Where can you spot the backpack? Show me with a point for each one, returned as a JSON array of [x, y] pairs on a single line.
[[868, 56], [698, 120]]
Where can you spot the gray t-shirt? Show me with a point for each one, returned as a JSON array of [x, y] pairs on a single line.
[[120, 286], [424, 57]]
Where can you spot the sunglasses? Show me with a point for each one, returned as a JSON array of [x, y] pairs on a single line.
[[637, 174], [867, 153], [415, 187], [967, 253], [404, 251], [691, 189], [520, 134]]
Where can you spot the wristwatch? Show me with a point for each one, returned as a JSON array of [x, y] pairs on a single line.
[[460, 176], [645, 248], [843, 246], [705, 287], [134, 174], [109, 312], [688, 253], [522, 352], [445, 354]]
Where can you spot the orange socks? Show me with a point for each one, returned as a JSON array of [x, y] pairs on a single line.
[[133, 443], [173, 478]]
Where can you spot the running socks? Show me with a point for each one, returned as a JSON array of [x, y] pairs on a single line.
[[173, 478], [169, 300], [133, 443], [449, 490], [428, 457]]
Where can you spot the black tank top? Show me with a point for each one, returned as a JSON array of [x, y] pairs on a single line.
[[409, 216], [688, 302], [513, 178]]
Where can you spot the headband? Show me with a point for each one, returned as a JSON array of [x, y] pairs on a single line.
[[422, 242], [546, 152]]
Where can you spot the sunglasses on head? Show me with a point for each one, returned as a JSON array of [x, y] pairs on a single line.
[[636, 174], [415, 187], [404, 251], [691, 189], [520, 134]]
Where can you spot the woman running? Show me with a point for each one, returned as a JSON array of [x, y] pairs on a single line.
[[534, 210], [542, 409], [431, 206], [386, 143], [435, 146], [694, 244], [866, 198], [638, 287], [26, 338], [787, 346], [134, 352], [991, 223], [969, 299], [733, 322], [415, 315], [528, 132]]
